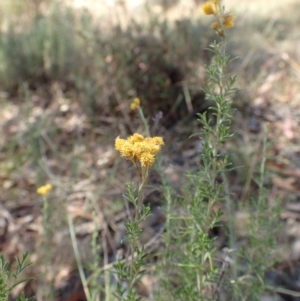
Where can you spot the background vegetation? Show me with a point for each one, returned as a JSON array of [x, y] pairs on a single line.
[[68, 74]]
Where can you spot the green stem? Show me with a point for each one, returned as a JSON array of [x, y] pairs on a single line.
[[145, 122], [216, 140], [143, 175], [77, 257], [132, 248], [140, 191], [262, 168]]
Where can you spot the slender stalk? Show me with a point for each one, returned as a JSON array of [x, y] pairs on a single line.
[[144, 120], [140, 191], [262, 168], [77, 257]]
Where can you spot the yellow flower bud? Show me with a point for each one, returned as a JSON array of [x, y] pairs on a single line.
[[158, 141], [215, 26], [43, 190], [228, 21], [136, 138], [119, 143], [135, 103], [208, 8], [132, 106]]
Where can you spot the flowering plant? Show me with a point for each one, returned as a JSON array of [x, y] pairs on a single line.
[[141, 151]]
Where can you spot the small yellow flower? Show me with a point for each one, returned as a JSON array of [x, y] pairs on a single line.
[[228, 21], [219, 31], [147, 160], [138, 148], [135, 138], [158, 141], [151, 148], [215, 26], [208, 8], [119, 143], [132, 106], [135, 103], [127, 150], [43, 190]]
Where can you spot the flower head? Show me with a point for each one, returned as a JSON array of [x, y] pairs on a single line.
[[43, 190], [228, 21], [135, 103], [208, 8], [147, 159], [119, 143], [139, 149], [215, 26], [125, 147], [158, 141], [136, 138]]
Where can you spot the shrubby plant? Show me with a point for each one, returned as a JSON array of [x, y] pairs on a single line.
[[10, 277], [141, 151], [192, 266], [195, 273], [254, 258]]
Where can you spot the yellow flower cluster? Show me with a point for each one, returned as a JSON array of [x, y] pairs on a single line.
[[135, 103], [228, 20], [139, 149], [43, 190], [224, 20], [209, 8]]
